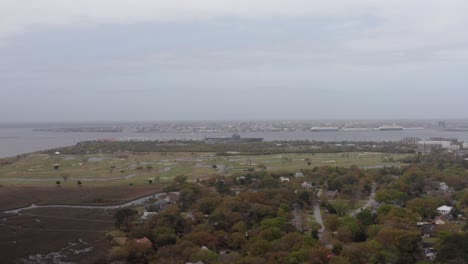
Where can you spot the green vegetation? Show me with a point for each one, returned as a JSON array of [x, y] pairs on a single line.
[[258, 206], [111, 169]]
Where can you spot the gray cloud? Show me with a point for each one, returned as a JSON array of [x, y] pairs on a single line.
[[147, 60]]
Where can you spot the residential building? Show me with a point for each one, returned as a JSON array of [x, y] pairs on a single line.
[[444, 210], [443, 187]]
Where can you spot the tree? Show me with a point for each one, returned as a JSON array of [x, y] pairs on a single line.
[[259, 248], [84, 159], [65, 176], [123, 214], [425, 207], [79, 183], [391, 196], [453, 249], [180, 179], [221, 186], [365, 217], [403, 242], [332, 223], [58, 183], [340, 206], [314, 229], [305, 197], [237, 240]]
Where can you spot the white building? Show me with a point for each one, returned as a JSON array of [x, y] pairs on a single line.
[[465, 145], [299, 174], [146, 215], [306, 185], [284, 179], [428, 146], [444, 210], [443, 187]]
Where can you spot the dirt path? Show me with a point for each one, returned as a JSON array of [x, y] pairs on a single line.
[[138, 201], [85, 179]]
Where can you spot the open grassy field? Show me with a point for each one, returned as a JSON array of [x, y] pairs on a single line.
[[136, 169]]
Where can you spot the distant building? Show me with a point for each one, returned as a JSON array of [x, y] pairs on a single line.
[[324, 129], [428, 146], [444, 210], [465, 145], [427, 230], [390, 128], [299, 174], [410, 141], [306, 185], [233, 139], [284, 179]]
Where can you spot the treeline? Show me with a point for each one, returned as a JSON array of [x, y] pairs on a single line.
[[274, 147]]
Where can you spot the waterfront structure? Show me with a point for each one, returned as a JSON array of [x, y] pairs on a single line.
[[324, 129], [236, 138], [390, 128]]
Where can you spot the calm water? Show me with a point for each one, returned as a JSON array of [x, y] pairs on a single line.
[[18, 140]]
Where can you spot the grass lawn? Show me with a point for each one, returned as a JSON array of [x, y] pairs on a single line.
[[113, 168]]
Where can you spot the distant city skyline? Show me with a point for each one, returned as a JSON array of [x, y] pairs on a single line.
[[95, 61]]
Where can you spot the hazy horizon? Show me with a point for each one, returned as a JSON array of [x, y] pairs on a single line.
[[89, 61], [370, 120]]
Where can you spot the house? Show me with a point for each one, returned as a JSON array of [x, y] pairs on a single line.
[[429, 251], [306, 185], [284, 179], [427, 230], [146, 215], [158, 206], [173, 197], [444, 210], [443, 187], [420, 224], [299, 174]]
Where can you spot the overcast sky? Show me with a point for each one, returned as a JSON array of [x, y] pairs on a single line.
[[137, 60]]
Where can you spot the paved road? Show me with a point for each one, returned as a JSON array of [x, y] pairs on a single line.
[[318, 219], [297, 213], [369, 202]]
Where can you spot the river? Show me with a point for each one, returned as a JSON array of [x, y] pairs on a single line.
[[16, 140]]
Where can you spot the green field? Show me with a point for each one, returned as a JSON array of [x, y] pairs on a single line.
[[111, 169]]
